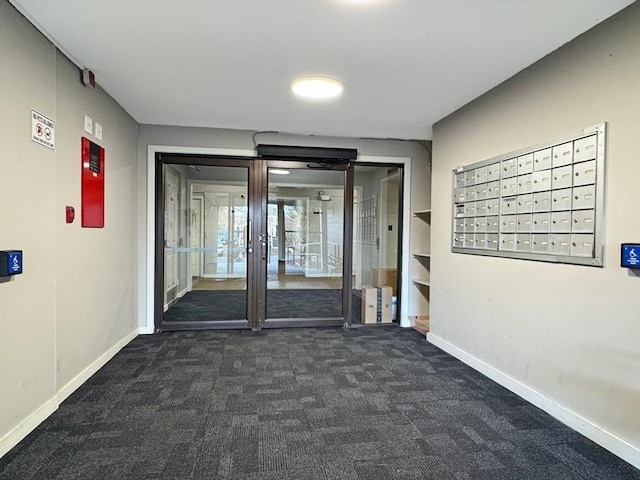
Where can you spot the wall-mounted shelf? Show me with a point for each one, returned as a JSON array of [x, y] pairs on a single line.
[[421, 269], [422, 212]]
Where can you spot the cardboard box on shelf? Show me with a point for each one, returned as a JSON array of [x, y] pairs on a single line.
[[385, 277], [376, 304]]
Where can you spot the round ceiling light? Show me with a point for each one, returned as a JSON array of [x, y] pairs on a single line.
[[317, 87]]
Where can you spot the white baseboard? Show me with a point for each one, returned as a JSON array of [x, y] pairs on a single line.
[[83, 376], [607, 440], [16, 435]]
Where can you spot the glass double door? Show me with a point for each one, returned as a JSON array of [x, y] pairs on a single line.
[[250, 243]]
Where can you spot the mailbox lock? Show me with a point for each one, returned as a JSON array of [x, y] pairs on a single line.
[[577, 174]]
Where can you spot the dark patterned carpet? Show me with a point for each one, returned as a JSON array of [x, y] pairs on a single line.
[[202, 305], [300, 404]]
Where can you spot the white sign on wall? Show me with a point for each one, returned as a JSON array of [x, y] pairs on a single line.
[[43, 130]]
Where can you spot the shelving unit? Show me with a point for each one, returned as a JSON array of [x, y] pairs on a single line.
[[420, 271]]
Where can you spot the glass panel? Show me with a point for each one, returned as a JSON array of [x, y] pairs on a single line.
[[305, 244], [376, 238], [206, 212]]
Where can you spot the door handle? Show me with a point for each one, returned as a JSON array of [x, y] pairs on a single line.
[[263, 244]]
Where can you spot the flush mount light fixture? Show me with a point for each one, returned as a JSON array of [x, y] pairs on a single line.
[[317, 87], [277, 171]]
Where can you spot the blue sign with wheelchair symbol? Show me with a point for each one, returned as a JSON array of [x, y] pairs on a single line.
[[14, 263], [10, 262], [630, 257]]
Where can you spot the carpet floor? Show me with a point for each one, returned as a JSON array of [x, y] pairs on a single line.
[[300, 404], [200, 305]]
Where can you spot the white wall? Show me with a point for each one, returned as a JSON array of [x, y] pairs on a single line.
[[27, 222], [566, 337], [97, 268], [75, 304]]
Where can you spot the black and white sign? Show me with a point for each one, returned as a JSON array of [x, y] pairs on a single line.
[[43, 130]]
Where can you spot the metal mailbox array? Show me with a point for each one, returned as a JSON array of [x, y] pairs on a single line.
[[543, 202]]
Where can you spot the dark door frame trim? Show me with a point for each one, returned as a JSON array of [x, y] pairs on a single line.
[[256, 283], [347, 242], [162, 159], [401, 179]]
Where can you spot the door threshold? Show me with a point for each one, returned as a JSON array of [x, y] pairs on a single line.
[[303, 322], [374, 325], [169, 326]]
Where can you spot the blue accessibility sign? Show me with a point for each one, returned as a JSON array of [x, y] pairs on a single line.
[[15, 263], [630, 255], [10, 262]]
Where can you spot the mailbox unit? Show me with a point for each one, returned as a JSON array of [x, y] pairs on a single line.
[[544, 202]]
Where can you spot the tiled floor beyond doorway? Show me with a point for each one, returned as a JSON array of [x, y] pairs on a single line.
[[288, 282], [367, 403]]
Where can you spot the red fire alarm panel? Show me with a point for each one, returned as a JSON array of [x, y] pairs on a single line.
[[92, 184]]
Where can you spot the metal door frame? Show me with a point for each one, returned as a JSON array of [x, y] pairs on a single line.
[[347, 236], [256, 292], [162, 159]]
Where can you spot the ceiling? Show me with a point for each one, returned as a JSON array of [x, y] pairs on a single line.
[[405, 64]]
